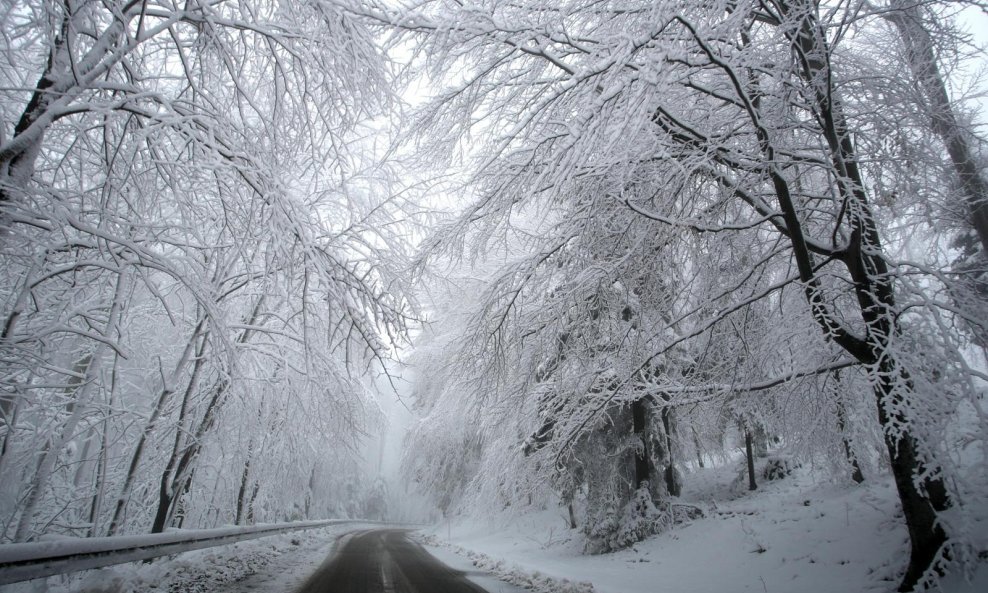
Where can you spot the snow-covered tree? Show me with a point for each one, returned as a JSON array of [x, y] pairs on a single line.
[[191, 215], [739, 139]]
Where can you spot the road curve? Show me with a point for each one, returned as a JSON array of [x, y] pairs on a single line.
[[385, 561]]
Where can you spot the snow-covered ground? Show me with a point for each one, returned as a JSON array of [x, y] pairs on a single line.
[[795, 535], [792, 535], [277, 563]]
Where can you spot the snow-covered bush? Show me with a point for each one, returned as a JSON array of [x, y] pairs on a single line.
[[610, 528], [778, 467]]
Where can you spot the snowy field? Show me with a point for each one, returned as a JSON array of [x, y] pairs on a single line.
[[793, 535]]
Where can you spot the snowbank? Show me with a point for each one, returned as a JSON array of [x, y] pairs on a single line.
[[792, 535], [275, 563]]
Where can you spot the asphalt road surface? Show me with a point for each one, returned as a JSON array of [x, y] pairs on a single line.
[[385, 561]]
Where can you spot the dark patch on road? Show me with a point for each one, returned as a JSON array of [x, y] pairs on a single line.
[[385, 561]]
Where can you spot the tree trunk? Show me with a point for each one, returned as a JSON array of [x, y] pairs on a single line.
[[119, 509], [10, 399], [17, 160], [177, 515], [971, 290], [244, 483], [750, 456], [64, 78], [177, 475], [166, 488], [864, 261], [166, 391], [673, 485], [698, 447], [922, 502], [78, 389], [100, 482], [250, 503], [908, 20], [856, 474], [639, 421], [10, 421]]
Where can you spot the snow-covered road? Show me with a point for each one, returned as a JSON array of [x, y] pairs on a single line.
[[387, 561], [354, 558]]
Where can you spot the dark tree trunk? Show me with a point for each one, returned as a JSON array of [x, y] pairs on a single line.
[[640, 424], [920, 503], [164, 505], [119, 511], [750, 455], [177, 475], [250, 503], [699, 449], [178, 510], [244, 483], [863, 258], [856, 474], [9, 417], [673, 485], [96, 502], [17, 165], [242, 495], [169, 476]]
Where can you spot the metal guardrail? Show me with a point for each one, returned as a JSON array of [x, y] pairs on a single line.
[[35, 560]]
